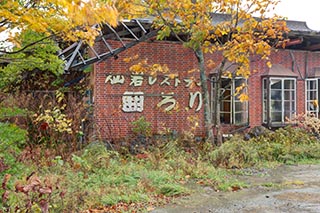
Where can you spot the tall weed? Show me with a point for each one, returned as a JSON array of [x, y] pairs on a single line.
[[285, 145]]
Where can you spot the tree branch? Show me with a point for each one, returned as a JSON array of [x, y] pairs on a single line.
[[25, 47]]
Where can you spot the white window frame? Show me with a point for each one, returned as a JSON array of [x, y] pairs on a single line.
[[267, 110], [309, 101], [233, 101]]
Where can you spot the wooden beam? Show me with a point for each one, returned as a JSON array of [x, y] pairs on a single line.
[[292, 42], [313, 47]]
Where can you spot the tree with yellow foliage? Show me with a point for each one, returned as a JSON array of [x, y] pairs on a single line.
[[69, 20], [245, 31], [31, 32]]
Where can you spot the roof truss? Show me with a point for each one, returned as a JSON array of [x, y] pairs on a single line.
[[129, 33]]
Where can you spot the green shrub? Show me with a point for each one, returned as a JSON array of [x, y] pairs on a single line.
[[172, 190], [141, 126], [8, 112], [285, 145], [12, 140]]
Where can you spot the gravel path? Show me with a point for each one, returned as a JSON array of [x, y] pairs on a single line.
[[288, 189]]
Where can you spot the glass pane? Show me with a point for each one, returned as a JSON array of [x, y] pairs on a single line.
[[276, 95], [311, 85], [239, 82], [288, 106], [276, 106], [225, 118], [289, 95], [264, 94], [225, 106], [239, 106], [288, 115], [312, 95], [226, 83], [240, 118], [311, 107], [276, 117], [275, 84], [293, 106], [289, 84], [226, 94], [264, 83]]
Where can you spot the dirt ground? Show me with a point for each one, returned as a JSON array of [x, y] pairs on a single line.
[[287, 189]]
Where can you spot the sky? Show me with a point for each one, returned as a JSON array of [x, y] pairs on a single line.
[[301, 10]]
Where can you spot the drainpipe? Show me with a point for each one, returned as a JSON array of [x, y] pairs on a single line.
[[306, 64], [295, 64]]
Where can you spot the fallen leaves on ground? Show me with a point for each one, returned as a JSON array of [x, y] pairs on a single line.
[[157, 200]]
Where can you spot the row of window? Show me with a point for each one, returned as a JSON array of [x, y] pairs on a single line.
[[278, 100]]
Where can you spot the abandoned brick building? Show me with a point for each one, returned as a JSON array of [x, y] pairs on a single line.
[[173, 100]]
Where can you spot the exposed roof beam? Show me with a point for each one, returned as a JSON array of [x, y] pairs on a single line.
[[313, 47], [76, 56], [292, 42]]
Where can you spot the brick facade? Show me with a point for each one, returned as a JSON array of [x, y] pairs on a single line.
[[113, 122]]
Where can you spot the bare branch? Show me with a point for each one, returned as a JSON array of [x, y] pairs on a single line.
[[25, 47]]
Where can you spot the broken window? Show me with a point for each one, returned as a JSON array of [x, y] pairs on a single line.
[[232, 109]]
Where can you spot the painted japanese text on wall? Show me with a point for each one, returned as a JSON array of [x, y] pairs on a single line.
[[134, 101]]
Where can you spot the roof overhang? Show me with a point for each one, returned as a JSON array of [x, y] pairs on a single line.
[[277, 70]]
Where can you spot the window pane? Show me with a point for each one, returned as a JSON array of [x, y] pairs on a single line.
[[275, 84], [288, 106], [265, 117], [225, 106], [311, 107], [239, 82], [276, 116], [226, 83], [240, 118], [312, 95], [239, 106], [276, 95], [264, 94], [293, 106], [289, 95], [264, 84], [225, 118], [312, 85], [288, 115], [226, 94], [289, 84], [276, 106]]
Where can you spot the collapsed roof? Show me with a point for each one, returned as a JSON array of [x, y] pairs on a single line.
[[300, 36]]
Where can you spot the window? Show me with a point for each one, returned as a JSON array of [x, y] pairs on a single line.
[[232, 110], [279, 100], [312, 96]]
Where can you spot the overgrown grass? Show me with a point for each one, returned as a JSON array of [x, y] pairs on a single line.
[[95, 176], [286, 145]]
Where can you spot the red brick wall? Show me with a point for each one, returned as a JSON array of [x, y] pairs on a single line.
[[112, 122]]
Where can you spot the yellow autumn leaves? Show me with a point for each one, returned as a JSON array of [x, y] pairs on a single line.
[[67, 19]]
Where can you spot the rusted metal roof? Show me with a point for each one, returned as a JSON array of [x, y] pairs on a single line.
[[300, 37], [280, 70]]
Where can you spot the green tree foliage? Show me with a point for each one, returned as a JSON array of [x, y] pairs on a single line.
[[41, 57]]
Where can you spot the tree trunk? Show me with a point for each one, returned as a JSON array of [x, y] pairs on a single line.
[[217, 103], [217, 122], [205, 95]]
